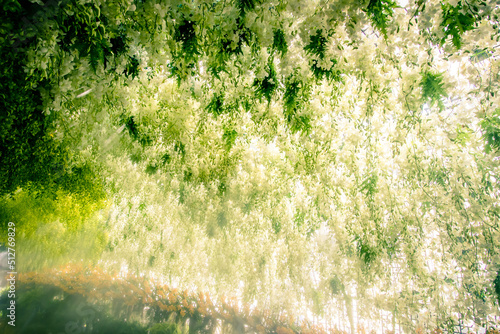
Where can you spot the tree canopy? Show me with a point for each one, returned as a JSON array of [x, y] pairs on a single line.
[[329, 158]]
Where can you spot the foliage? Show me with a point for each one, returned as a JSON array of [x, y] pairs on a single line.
[[216, 105], [497, 286], [456, 21], [32, 155], [491, 132], [380, 13], [29, 153], [279, 42], [433, 88], [317, 45], [185, 34], [294, 100], [53, 231], [262, 148], [319, 67], [265, 87]]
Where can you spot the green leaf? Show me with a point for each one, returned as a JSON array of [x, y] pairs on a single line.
[[265, 87], [380, 13], [433, 88], [185, 33], [294, 99], [229, 138], [455, 22], [216, 105], [317, 44], [491, 132]]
